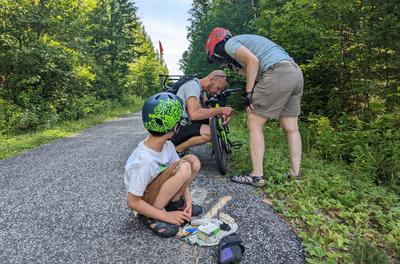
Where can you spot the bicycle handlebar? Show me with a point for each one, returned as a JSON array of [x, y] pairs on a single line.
[[168, 79], [233, 90], [167, 75], [226, 93], [221, 97]]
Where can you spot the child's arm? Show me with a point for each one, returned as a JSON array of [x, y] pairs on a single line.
[[188, 201], [139, 205]]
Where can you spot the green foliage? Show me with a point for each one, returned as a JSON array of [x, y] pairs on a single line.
[[63, 60], [372, 148], [144, 76], [363, 252], [332, 204], [233, 15]]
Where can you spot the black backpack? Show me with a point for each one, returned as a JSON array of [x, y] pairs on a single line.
[[176, 83], [230, 249]]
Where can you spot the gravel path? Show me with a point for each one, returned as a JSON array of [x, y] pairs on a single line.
[[65, 202]]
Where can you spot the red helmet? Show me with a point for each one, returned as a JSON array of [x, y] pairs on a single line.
[[216, 36]]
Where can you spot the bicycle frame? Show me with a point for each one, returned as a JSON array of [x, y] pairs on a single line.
[[219, 131], [224, 130]]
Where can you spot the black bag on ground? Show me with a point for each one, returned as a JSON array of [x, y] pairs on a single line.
[[230, 249]]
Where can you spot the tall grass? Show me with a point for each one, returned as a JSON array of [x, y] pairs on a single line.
[[332, 205]]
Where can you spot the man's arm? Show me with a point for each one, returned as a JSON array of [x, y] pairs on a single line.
[[251, 62], [242, 71], [196, 112]]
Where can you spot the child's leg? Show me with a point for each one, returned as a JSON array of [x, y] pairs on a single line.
[[195, 168], [172, 182]]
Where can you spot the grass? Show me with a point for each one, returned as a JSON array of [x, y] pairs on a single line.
[[11, 145], [340, 214]]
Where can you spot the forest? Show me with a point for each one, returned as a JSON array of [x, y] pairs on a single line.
[[65, 60]]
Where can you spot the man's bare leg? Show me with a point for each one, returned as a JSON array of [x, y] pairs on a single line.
[[255, 126], [205, 136], [291, 128]]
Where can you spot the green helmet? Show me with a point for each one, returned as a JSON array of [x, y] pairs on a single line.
[[161, 112]]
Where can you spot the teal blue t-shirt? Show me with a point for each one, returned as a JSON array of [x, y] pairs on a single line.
[[267, 52]]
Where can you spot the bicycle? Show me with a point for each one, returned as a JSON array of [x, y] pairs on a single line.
[[172, 83], [221, 144]]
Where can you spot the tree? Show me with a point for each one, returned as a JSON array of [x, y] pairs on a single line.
[[235, 15], [58, 58], [143, 71]]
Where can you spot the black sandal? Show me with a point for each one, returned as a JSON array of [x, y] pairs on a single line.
[[178, 206], [250, 179], [160, 228]]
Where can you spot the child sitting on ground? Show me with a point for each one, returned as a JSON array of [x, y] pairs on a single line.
[[156, 180]]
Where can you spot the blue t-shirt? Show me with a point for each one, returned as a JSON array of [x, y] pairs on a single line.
[[267, 52]]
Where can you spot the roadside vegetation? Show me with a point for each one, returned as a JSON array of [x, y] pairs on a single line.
[[337, 208], [346, 207], [13, 144]]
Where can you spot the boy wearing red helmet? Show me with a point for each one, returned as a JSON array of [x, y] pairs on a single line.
[[274, 86]]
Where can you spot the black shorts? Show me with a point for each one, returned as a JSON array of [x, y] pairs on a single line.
[[188, 131]]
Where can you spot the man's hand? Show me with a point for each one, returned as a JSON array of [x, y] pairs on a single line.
[[226, 111], [249, 109], [177, 217], [248, 99], [248, 102], [226, 119]]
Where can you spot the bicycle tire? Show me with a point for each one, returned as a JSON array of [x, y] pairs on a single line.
[[219, 146]]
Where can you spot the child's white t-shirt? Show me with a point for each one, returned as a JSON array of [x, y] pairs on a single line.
[[144, 164]]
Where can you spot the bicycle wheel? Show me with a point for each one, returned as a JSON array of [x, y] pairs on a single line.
[[219, 146]]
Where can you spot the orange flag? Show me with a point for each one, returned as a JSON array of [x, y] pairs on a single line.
[[161, 48]]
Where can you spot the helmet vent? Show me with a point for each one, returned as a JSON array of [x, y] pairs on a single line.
[[159, 121]]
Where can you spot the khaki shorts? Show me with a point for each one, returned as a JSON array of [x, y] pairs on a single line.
[[153, 189], [279, 90]]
